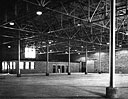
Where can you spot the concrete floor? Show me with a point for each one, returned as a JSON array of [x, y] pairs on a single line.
[[60, 86]]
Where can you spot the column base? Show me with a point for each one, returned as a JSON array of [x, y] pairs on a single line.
[[18, 75], [100, 72], [86, 73], [112, 92], [47, 74], [69, 73]]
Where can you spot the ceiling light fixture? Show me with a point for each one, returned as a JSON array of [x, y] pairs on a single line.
[[108, 43], [44, 46], [50, 42], [78, 24], [120, 45], [100, 43], [82, 46], [39, 13], [66, 52], [93, 47], [78, 53], [9, 46], [76, 50], [11, 23], [126, 33]]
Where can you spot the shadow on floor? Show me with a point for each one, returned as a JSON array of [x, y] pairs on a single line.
[[101, 95]]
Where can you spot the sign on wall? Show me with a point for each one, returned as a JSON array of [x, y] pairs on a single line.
[[30, 52]]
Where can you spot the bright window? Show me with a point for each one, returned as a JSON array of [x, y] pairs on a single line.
[[14, 65], [10, 65], [3, 66], [27, 65], [30, 52], [21, 65], [32, 65]]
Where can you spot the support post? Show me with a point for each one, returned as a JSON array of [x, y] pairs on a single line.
[[1, 57], [112, 91], [100, 60], [86, 56], [18, 68], [0, 66], [69, 53], [47, 63]]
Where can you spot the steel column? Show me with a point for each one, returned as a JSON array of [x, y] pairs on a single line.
[[112, 91], [18, 68], [112, 44], [100, 60], [47, 63], [69, 58], [86, 56]]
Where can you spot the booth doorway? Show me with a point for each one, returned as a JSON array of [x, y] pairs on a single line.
[[54, 69], [63, 69]]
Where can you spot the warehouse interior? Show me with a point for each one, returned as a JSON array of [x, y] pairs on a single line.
[[75, 31], [61, 36]]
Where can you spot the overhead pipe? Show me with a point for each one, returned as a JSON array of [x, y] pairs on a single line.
[[95, 11]]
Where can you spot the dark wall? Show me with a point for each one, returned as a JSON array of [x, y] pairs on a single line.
[[40, 67], [9, 53], [0, 59]]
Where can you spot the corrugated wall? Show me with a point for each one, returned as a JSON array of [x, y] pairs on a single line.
[[121, 61]]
